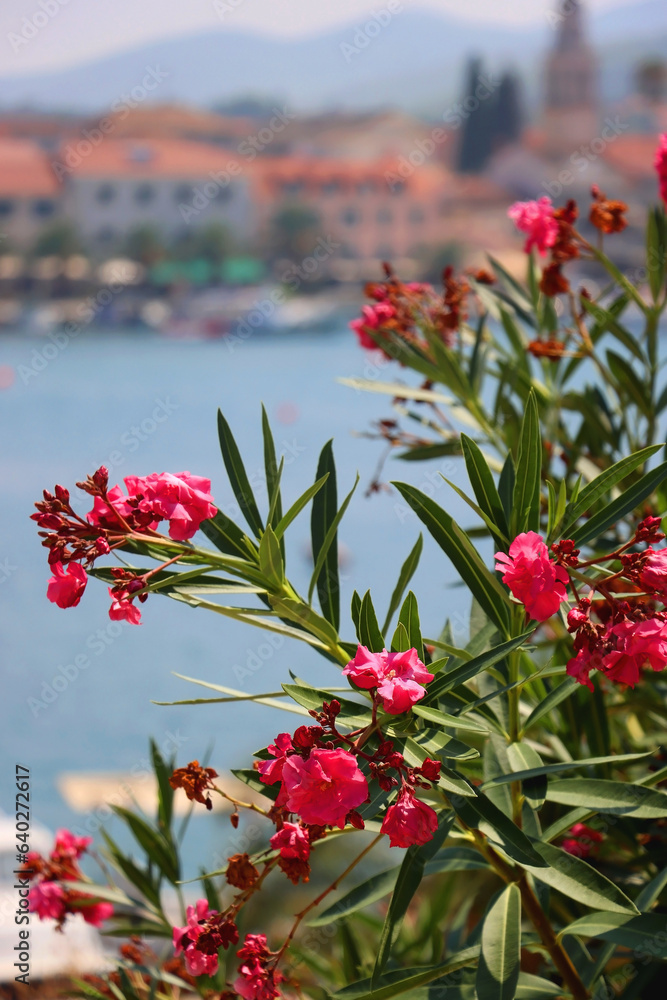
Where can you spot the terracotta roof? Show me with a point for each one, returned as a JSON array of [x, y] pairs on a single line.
[[633, 155], [272, 172], [25, 170], [152, 158], [174, 121]]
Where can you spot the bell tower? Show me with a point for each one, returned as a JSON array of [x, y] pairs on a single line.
[[571, 111]]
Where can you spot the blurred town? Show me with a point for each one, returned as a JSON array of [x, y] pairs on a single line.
[[171, 213]]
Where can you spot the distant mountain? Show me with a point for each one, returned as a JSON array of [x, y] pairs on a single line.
[[415, 62]]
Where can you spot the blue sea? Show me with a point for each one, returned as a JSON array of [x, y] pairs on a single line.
[[140, 403]]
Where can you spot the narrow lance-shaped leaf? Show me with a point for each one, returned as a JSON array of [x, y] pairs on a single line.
[[408, 881], [526, 497], [483, 485], [369, 631], [499, 964], [463, 555], [409, 617], [238, 477], [624, 504], [330, 539], [407, 571], [272, 472], [322, 517]]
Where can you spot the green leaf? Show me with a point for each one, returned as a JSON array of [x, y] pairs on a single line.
[[622, 505], [329, 544], [609, 797], [629, 385], [298, 506], [270, 559], [137, 877], [601, 485], [483, 485], [619, 277], [352, 713], [464, 556], [307, 618], [522, 757], [451, 679], [235, 695], [408, 881], [568, 765], [368, 631], [526, 497], [498, 969], [165, 791], [506, 485], [322, 517], [652, 891], [450, 721], [400, 981], [606, 320], [407, 571], [227, 536], [644, 934], [238, 477], [480, 813], [409, 618], [273, 474], [158, 849], [578, 880], [552, 700], [362, 895], [400, 641], [656, 250]]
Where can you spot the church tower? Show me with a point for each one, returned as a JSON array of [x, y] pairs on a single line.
[[571, 110]]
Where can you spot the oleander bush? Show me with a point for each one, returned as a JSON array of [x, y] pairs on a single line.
[[518, 776]]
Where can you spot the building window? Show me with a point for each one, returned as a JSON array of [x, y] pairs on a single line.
[[44, 207], [144, 194], [398, 187], [105, 194], [384, 252], [106, 235], [350, 217], [7, 206], [183, 192], [366, 187], [385, 216], [224, 194], [291, 188], [331, 187], [416, 215]]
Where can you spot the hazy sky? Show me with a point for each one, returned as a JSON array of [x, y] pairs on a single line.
[[49, 34]]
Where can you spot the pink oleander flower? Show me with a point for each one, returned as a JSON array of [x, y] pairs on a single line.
[[180, 498], [103, 515], [533, 578], [653, 577], [271, 771], [372, 317], [581, 665], [639, 644], [661, 165], [255, 981], [66, 586], [47, 900], [398, 677], [205, 933], [70, 846], [583, 841], [96, 913], [409, 821], [323, 789], [536, 219], [292, 841], [122, 609]]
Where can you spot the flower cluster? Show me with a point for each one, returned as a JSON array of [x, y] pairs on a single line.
[[532, 576], [397, 678], [74, 543], [402, 309], [48, 897], [205, 932]]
